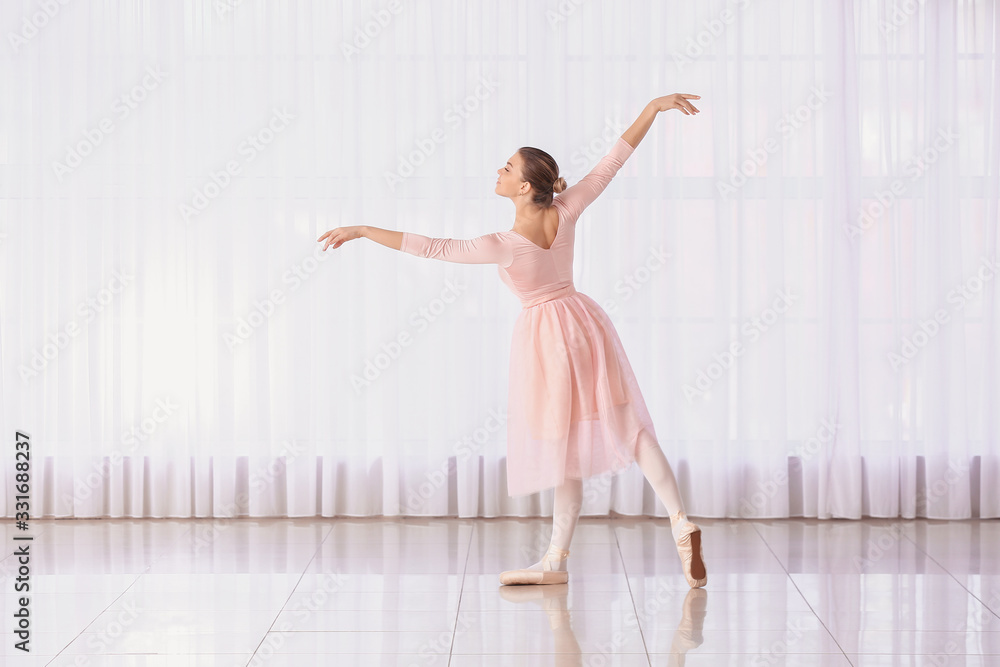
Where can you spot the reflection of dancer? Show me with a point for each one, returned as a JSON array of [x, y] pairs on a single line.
[[553, 600], [688, 634], [575, 409]]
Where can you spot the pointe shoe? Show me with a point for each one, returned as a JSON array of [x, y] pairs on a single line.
[[689, 549], [544, 576]]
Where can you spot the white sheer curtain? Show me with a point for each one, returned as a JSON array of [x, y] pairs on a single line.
[[802, 275]]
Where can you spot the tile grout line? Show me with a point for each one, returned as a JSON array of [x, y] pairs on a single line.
[[119, 597], [950, 574], [628, 584], [753, 524], [461, 592], [319, 547]]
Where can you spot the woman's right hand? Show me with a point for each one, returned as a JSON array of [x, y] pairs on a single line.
[[341, 235], [676, 101]]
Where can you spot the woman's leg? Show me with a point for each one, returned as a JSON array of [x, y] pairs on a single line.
[[566, 506], [687, 535], [657, 470]]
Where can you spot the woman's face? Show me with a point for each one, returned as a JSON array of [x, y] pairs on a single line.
[[509, 180]]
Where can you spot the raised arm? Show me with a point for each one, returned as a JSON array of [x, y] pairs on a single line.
[[581, 195]]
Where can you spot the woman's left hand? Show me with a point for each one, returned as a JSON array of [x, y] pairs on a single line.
[[341, 235], [676, 101]]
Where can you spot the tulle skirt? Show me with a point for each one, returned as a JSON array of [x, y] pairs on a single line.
[[574, 406]]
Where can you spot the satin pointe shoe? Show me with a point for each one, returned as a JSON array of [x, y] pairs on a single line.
[[544, 576], [689, 549]]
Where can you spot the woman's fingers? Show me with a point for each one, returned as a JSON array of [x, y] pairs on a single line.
[[331, 239], [683, 102]]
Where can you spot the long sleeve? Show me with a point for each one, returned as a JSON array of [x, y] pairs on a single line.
[[487, 249], [582, 194]]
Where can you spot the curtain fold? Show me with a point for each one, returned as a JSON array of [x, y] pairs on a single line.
[[803, 275]]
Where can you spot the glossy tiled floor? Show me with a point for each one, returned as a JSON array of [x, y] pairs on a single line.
[[415, 593]]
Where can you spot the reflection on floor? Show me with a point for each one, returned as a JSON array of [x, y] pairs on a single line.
[[420, 592]]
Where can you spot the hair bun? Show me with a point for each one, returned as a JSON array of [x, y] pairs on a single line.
[[559, 185]]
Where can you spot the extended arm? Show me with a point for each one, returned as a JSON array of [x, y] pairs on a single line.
[[387, 237], [486, 249]]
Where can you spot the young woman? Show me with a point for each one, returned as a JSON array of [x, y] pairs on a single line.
[[575, 409]]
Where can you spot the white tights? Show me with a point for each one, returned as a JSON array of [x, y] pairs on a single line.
[[568, 498]]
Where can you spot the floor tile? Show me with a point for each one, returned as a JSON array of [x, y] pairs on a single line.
[[427, 592]]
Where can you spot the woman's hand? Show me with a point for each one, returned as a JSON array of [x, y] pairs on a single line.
[[341, 235], [634, 134], [676, 101]]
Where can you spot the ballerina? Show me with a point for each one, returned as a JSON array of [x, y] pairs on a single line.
[[574, 406]]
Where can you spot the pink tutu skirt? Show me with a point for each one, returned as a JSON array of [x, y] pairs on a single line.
[[574, 405]]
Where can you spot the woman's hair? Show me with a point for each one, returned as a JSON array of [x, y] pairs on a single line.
[[542, 172]]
